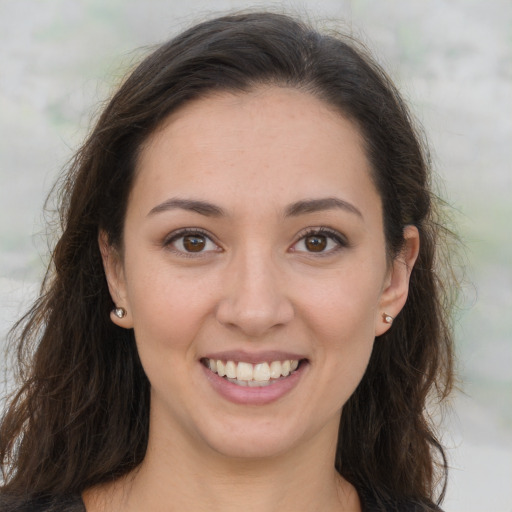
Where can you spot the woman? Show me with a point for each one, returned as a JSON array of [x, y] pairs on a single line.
[[243, 308]]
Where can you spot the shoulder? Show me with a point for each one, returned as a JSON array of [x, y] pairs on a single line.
[[71, 503]]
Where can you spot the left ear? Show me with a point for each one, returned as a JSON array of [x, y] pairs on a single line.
[[396, 287]]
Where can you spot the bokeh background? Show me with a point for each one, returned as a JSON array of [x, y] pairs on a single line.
[[59, 59]]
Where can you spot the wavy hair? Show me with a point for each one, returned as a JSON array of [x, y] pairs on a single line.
[[80, 417]]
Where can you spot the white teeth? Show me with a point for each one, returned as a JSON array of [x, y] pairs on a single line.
[[275, 369], [286, 368], [239, 382], [253, 375], [244, 371], [258, 383], [251, 383], [261, 371], [231, 370]]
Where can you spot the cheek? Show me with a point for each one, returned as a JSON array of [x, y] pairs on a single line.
[[340, 316], [167, 317], [343, 303], [346, 339], [165, 308]]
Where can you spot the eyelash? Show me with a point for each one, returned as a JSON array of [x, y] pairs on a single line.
[[332, 234], [339, 239], [176, 235]]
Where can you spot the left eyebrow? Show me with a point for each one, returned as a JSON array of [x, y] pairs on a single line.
[[191, 205], [321, 204]]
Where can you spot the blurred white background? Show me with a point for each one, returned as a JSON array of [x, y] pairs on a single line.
[[451, 58]]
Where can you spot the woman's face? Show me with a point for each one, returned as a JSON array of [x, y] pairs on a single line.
[[254, 245]]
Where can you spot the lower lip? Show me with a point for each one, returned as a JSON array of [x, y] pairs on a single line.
[[254, 395]]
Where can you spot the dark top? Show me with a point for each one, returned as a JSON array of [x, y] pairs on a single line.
[[61, 504], [74, 503]]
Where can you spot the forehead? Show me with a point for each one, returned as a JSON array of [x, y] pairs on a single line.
[[270, 144]]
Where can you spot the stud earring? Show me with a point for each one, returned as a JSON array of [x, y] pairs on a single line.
[[388, 319], [119, 312]]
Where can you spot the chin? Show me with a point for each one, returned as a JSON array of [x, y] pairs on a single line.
[[260, 446], [261, 438]]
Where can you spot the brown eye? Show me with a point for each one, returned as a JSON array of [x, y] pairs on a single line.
[[315, 243], [321, 242], [191, 242], [194, 243]]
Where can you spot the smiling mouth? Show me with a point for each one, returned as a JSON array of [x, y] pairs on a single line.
[[252, 375]]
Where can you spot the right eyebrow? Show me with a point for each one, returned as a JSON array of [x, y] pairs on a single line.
[[321, 204], [201, 207]]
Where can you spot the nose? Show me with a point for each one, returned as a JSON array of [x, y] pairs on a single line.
[[255, 301]]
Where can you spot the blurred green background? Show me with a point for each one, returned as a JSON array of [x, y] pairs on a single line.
[[452, 59]]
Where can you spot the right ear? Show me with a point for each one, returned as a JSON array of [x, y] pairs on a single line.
[[114, 272]]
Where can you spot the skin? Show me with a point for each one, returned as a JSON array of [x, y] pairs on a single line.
[[255, 286]]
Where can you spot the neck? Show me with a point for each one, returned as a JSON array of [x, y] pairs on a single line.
[[175, 476]]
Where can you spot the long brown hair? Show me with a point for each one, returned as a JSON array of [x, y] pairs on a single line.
[[80, 416]]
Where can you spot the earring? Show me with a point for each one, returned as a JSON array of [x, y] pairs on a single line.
[[119, 312], [388, 319]]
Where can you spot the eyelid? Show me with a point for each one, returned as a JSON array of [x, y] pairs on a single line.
[[333, 234], [182, 232]]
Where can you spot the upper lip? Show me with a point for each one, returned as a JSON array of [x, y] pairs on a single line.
[[253, 357]]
